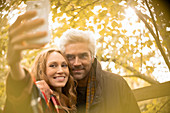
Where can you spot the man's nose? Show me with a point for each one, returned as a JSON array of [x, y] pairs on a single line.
[[77, 61]]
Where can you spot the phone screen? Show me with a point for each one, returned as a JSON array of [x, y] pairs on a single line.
[[43, 9]]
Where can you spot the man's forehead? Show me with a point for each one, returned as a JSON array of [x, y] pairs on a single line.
[[77, 48], [79, 53]]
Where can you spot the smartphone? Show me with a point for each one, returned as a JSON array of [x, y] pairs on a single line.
[[43, 9]]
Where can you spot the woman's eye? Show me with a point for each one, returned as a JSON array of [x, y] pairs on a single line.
[[64, 65], [52, 65]]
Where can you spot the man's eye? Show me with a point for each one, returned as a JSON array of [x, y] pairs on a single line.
[[83, 56], [70, 57]]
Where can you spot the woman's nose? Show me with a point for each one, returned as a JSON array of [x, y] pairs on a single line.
[[60, 69]]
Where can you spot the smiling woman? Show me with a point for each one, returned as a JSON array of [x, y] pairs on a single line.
[[57, 71], [52, 67]]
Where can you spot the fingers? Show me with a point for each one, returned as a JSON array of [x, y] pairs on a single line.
[[28, 36], [27, 46], [26, 26], [25, 16], [20, 43]]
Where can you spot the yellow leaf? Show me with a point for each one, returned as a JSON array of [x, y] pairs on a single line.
[[146, 34], [99, 26], [134, 31], [119, 25], [103, 13], [124, 30], [91, 28], [102, 32], [114, 24]]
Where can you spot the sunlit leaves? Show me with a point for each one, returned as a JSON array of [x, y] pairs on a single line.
[[119, 25], [102, 32], [89, 14], [2, 94], [124, 30], [146, 34], [102, 13], [134, 32], [114, 24], [157, 105], [127, 44]]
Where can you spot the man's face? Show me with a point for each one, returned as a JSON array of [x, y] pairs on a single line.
[[79, 56]]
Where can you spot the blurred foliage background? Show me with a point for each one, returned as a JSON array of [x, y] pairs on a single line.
[[133, 39]]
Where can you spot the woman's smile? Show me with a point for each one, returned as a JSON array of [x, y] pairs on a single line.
[[59, 78]]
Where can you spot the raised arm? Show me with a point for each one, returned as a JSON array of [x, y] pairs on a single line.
[[18, 36], [19, 86]]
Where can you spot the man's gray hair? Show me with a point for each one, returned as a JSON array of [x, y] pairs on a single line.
[[73, 36]]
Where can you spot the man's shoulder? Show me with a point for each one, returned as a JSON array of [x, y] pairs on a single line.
[[112, 78], [110, 75], [114, 81]]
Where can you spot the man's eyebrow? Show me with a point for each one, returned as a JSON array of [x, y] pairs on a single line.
[[83, 53], [69, 55]]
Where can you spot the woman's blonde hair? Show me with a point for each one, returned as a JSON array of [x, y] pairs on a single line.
[[39, 72]]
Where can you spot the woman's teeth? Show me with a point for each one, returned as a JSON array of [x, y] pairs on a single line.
[[59, 77]]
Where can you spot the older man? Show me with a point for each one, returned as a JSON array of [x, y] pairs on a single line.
[[98, 91]]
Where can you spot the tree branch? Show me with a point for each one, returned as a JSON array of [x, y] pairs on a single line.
[[144, 77], [80, 9], [152, 17], [136, 73], [163, 105], [140, 15]]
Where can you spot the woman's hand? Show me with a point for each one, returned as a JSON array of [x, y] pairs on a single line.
[[18, 36]]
